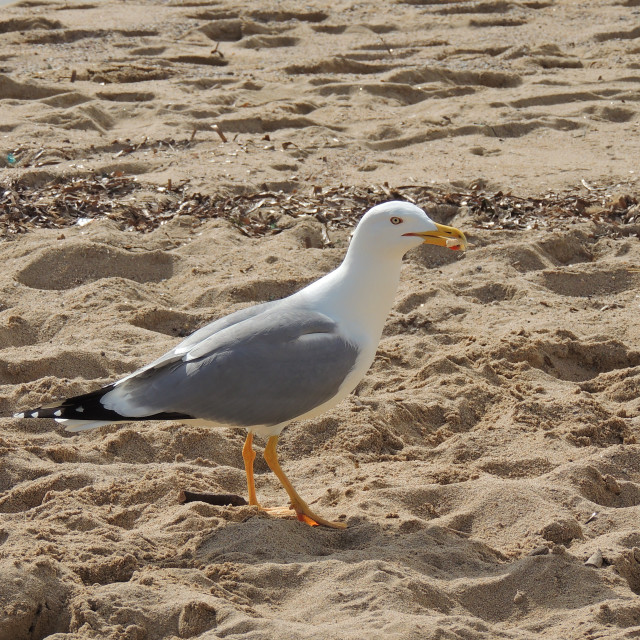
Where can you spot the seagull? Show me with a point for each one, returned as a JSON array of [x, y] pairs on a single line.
[[262, 367]]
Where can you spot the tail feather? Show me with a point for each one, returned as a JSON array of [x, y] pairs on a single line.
[[87, 412], [82, 425]]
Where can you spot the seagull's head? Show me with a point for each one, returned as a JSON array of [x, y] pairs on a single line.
[[395, 227]]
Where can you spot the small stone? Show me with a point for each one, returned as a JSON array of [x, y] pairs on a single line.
[[612, 484], [562, 531], [539, 551], [196, 618], [134, 632], [627, 564], [595, 559]]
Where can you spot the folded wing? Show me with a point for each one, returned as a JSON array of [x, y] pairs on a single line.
[[260, 366]]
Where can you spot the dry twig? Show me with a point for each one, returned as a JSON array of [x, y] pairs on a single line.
[[63, 202]]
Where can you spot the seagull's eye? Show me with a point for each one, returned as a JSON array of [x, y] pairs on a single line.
[[396, 220]]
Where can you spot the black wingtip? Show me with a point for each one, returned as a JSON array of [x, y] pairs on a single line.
[[43, 412], [83, 407], [89, 407]]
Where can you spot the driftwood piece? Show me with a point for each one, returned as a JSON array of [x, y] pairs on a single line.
[[220, 499]]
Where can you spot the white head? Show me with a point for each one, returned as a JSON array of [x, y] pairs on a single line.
[[395, 227]]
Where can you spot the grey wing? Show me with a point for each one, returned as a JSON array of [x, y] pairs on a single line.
[[222, 323], [177, 353], [265, 370]]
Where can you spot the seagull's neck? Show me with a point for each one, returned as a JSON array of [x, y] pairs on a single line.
[[361, 291]]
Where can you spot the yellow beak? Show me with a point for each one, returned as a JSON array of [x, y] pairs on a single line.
[[443, 236]]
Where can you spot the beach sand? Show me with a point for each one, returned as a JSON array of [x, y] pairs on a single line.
[[493, 447]]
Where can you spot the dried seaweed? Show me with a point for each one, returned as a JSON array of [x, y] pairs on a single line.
[[75, 200]]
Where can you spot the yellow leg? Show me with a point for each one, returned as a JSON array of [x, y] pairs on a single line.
[[249, 455], [302, 509]]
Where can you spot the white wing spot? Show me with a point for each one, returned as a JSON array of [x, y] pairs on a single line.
[[19, 415], [57, 413], [34, 414], [80, 409]]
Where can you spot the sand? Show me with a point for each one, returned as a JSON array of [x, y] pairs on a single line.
[[492, 449]]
